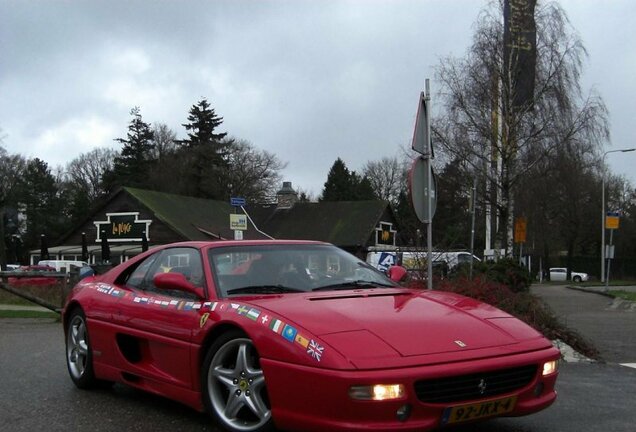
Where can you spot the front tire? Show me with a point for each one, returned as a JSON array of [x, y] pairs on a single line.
[[576, 279], [79, 355], [233, 385]]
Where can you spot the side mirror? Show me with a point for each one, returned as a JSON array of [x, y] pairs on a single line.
[[397, 273], [172, 281]]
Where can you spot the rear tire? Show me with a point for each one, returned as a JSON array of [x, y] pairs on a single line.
[[233, 385], [79, 354]]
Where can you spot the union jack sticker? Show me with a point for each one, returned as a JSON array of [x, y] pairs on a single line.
[[315, 350]]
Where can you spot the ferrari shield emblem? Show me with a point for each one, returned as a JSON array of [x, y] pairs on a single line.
[[203, 319]]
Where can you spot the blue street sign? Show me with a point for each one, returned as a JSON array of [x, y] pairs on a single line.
[[237, 201]]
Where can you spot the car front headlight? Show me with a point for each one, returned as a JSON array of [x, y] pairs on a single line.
[[550, 367], [377, 392]]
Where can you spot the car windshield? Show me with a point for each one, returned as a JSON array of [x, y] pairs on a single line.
[[288, 268]]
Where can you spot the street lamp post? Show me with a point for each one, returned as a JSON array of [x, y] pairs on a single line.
[[603, 207]]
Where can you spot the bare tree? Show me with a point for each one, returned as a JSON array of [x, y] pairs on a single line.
[[253, 173], [164, 139], [387, 177], [85, 172], [502, 141]]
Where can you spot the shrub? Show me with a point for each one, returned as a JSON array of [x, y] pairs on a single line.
[[505, 271]]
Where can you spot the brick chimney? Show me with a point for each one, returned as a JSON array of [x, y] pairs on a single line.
[[286, 197]]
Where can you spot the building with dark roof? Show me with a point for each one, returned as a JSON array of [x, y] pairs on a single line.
[[132, 218]]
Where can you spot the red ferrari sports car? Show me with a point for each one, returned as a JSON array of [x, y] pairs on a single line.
[[300, 335]]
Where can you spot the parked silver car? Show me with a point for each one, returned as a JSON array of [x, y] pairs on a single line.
[[560, 274]]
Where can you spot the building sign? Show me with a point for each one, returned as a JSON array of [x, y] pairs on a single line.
[[385, 234], [238, 222], [123, 227]]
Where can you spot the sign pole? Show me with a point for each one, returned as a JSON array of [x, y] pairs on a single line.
[[238, 222], [421, 179], [610, 255], [429, 225]]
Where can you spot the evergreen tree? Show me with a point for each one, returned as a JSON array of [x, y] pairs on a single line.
[[342, 185], [412, 232], [43, 208], [132, 165], [202, 123], [362, 188], [205, 153], [338, 184], [11, 171], [452, 220]]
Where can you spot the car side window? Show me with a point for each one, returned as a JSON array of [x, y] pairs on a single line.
[[186, 261], [137, 277]]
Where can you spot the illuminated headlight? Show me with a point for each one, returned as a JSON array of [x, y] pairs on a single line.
[[377, 392], [550, 367]]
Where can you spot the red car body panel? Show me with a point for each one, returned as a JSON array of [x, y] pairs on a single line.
[[313, 346]]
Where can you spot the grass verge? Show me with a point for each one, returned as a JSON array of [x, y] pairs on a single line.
[[625, 295]]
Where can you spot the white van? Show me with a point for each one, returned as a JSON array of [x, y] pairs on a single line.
[[417, 260], [63, 266]]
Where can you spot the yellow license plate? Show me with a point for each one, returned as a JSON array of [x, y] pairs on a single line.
[[462, 413]]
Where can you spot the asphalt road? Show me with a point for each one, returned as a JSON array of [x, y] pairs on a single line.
[[37, 394], [610, 325]]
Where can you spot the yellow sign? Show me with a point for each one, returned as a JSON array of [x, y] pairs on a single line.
[[520, 230], [238, 222], [611, 222]]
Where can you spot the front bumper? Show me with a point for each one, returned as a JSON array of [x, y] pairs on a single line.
[[313, 399]]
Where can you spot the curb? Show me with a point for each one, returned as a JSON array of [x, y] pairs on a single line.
[[583, 289]]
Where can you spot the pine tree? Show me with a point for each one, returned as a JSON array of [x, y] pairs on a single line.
[[338, 184], [132, 165], [206, 153], [362, 188], [343, 185], [43, 208], [202, 123]]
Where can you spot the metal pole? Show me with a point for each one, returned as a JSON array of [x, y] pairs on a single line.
[[609, 259], [603, 215], [472, 226], [429, 225]]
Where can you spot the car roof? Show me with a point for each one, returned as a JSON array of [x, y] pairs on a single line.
[[224, 243]]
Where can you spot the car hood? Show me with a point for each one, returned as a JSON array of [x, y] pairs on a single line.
[[400, 322]]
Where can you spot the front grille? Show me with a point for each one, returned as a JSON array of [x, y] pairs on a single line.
[[474, 386]]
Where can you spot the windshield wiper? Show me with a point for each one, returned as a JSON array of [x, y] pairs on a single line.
[[264, 289], [353, 284]]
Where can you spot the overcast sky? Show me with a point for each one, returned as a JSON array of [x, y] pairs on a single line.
[[309, 81]]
